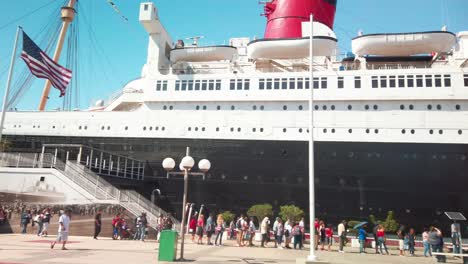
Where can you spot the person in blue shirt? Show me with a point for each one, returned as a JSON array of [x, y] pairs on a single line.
[[362, 234]]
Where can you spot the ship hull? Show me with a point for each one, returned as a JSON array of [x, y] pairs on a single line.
[[353, 180]]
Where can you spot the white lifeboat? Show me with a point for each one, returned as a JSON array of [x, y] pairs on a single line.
[[199, 54], [296, 48], [404, 44]]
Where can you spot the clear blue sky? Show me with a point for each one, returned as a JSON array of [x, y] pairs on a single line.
[[125, 43]]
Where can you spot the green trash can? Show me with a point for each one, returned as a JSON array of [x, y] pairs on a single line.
[[168, 245]]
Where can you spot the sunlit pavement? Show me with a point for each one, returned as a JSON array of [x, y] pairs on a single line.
[[29, 249]]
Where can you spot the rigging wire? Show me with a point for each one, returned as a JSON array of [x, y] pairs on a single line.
[[26, 15]]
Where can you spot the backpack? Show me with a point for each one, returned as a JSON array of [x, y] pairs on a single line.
[[239, 224]]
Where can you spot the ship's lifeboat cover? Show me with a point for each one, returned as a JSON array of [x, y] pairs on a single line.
[[404, 44], [200, 54]]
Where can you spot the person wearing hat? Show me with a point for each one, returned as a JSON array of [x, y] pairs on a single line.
[[64, 226]]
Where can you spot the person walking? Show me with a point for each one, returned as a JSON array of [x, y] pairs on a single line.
[[381, 239], [219, 230], [362, 235], [279, 233], [264, 230], [97, 224], [427, 246], [342, 235], [210, 228], [63, 229], [38, 220], [411, 241], [200, 229], [401, 233]]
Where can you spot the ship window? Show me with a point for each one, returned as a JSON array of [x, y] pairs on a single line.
[[301, 107], [197, 85], [307, 83], [447, 81], [196, 128], [324, 82], [262, 84], [218, 107], [247, 84], [324, 107], [458, 107], [419, 81], [204, 85], [184, 85], [217, 129], [177, 85], [401, 81], [171, 107], [438, 81], [158, 86], [465, 76], [189, 129], [277, 84], [284, 83], [233, 107], [410, 81], [366, 107], [190, 85], [439, 107], [316, 83], [232, 85], [238, 84], [164, 88], [285, 107], [197, 107], [254, 107], [376, 107], [383, 81], [402, 107], [340, 82], [163, 128], [211, 85], [218, 85], [239, 129], [357, 82], [429, 107], [350, 107], [431, 131], [254, 129], [292, 83], [78, 127], [300, 83], [232, 129], [261, 129], [411, 107], [269, 84], [126, 128], [165, 107], [375, 82], [428, 80], [392, 83], [146, 7]]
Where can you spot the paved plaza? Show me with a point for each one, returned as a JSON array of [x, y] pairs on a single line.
[[29, 249]]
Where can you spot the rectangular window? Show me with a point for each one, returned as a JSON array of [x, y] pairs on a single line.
[[261, 84], [357, 82], [428, 80], [190, 85], [164, 88], [392, 82], [340, 82], [324, 82], [247, 84], [438, 80], [300, 83], [307, 83], [292, 83], [146, 7], [177, 85], [465, 77], [232, 85], [269, 85], [277, 84], [284, 83], [218, 85], [239, 84], [211, 85], [184, 85], [316, 83], [375, 82], [204, 85], [401, 81], [158, 86], [383, 81], [197, 85], [411, 81], [447, 81], [419, 81]]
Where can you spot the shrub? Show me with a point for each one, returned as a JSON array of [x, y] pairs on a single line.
[[291, 212], [228, 216], [260, 211], [390, 224]]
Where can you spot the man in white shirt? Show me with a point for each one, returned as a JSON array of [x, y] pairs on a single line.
[[342, 234], [64, 225]]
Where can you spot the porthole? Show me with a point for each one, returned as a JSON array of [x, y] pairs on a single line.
[[163, 128], [203, 129], [366, 107], [441, 132], [35, 127], [376, 131], [189, 129], [429, 107], [316, 107], [218, 107], [285, 107], [53, 127], [165, 107], [232, 129], [284, 130], [254, 107], [102, 128], [439, 107], [333, 130], [217, 129], [144, 128], [403, 131], [171, 107], [413, 131], [332, 107], [204, 107], [324, 107], [376, 107], [460, 132], [86, 127], [431, 131], [38, 126], [411, 107], [151, 128], [350, 107], [239, 129], [367, 131], [78, 127], [300, 130], [301, 107], [262, 107], [457, 107], [350, 131], [197, 107], [196, 128], [308, 131], [261, 129], [108, 128], [254, 129], [233, 107], [156, 128], [402, 107], [325, 130]]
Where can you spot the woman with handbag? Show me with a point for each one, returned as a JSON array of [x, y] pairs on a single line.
[[381, 239]]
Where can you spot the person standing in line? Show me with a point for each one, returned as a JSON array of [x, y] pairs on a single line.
[[401, 233], [323, 235], [45, 222], [342, 235], [25, 220], [381, 239], [143, 226], [264, 231], [287, 234], [316, 232], [210, 226], [38, 219], [220, 226], [329, 236], [456, 240], [137, 234], [275, 229], [97, 223], [193, 227], [436, 241], [63, 229], [252, 230], [411, 241], [376, 238], [302, 226], [239, 232], [427, 246], [232, 230], [115, 226], [279, 233], [200, 228], [362, 234], [297, 234]]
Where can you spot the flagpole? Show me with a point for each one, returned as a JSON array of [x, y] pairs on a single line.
[[8, 84]]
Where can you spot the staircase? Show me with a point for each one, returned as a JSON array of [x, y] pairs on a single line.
[[94, 184]]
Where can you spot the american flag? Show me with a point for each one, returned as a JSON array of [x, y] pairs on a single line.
[[42, 66]]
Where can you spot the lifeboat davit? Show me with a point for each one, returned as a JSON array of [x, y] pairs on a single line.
[[200, 54], [404, 44]]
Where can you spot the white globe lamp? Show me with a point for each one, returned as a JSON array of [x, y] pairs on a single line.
[[187, 162], [168, 164], [204, 165]]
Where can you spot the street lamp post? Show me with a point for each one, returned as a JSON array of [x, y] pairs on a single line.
[[186, 166]]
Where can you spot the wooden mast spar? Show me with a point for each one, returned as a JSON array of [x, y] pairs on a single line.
[[67, 13]]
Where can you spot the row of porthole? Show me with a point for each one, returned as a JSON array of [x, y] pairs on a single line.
[[156, 128]]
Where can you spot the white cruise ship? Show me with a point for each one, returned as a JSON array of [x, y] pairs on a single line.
[[391, 121]]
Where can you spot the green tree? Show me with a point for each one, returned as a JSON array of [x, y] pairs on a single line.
[[291, 212], [390, 224], [228, 216], [5, 145], [260, 211]]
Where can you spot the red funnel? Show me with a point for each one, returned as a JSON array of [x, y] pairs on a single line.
[[285, 16]]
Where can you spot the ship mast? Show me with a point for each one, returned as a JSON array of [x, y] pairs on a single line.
[[67, 13]]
